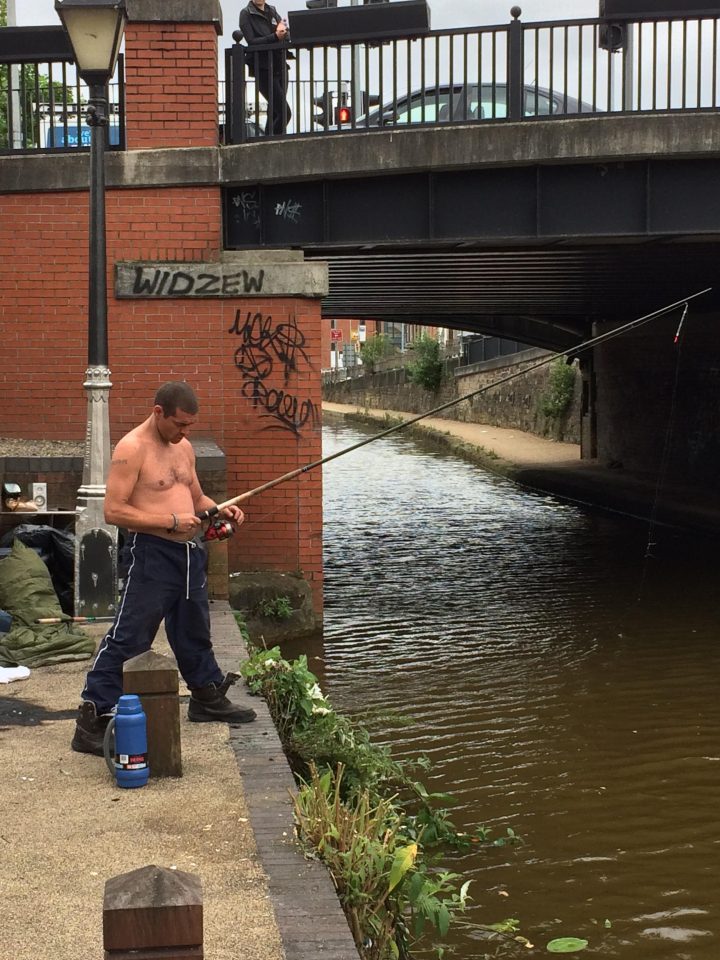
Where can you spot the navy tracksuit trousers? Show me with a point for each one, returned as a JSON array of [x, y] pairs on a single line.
[[165, 580]]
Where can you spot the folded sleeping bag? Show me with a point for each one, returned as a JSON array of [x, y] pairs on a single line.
[[27, 594]]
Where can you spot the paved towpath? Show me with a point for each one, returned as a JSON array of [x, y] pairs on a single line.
[[66, 828]]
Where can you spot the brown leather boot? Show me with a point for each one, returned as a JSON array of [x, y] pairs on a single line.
[[209, 704], [90, 730]]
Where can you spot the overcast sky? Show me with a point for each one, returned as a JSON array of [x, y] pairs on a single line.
[[443, 13]]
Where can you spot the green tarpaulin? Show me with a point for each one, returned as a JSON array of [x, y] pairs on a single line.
[[27, 593]]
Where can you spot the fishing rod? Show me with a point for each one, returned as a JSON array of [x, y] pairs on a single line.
[[571, 351]]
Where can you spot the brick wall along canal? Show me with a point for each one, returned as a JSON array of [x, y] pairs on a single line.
[[507, 626]]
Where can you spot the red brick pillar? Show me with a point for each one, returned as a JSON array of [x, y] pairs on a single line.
[[171, 73]]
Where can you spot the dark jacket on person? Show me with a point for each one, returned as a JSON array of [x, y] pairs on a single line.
[[258, 29]]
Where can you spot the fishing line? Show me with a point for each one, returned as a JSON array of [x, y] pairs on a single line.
[[569, 352], [665, 458]]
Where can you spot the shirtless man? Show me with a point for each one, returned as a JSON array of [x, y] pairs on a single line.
[[153, 491]]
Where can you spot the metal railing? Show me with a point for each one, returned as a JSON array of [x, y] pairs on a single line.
[[514, 72], [42, 107]]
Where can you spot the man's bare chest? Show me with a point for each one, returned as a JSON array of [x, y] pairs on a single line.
[[161, 472]]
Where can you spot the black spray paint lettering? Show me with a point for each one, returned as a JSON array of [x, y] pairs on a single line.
[[290, 413], [179, 283], [264, 346]]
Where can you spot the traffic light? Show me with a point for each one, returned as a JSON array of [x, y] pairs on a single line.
[[324, 103], [343, 114]]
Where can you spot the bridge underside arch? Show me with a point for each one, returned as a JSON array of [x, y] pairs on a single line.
[[548, 297]]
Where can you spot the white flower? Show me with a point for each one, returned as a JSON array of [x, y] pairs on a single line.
[[315, 693], [321, 711]]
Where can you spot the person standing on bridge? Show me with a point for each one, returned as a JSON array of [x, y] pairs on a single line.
[[267, 36], [153, 491]]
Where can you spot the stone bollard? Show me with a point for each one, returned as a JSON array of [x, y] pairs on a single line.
[[153, 914], [154, 679]]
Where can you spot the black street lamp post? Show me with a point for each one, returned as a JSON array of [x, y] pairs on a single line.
[[95, 29]]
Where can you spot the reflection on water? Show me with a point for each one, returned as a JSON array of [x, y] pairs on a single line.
[[561, 684]]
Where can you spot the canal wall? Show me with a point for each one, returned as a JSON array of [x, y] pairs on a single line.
[[519, 404]]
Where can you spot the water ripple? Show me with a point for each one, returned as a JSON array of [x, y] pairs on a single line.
[[560, 683]]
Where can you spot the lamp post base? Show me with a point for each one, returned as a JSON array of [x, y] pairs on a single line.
[[95, 540], [95, 571]]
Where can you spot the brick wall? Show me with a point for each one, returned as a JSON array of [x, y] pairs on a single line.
[[170, 81], [43, 313], [266, 426]]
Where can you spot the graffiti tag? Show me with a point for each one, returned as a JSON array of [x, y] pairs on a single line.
[[249, 206], [288, 210], [265, 347]]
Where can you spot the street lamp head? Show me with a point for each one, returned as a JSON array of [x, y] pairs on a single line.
[[95, 29]]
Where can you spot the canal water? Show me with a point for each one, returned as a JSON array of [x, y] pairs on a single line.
[[562, 683]]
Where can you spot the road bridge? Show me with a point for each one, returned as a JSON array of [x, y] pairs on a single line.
[[527, 231]]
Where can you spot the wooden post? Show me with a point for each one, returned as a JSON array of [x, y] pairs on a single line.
[[153, 913], [154, 679]]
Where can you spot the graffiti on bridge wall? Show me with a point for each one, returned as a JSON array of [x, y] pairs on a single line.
[[266, 349]]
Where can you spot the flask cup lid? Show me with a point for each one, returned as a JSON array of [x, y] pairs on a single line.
[[129, 703]]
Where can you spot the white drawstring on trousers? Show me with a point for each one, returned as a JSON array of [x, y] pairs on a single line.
[[188, 544]]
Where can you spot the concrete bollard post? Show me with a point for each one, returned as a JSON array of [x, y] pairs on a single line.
[[153, 914], [154, 679]]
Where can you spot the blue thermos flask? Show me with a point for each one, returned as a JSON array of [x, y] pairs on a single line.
[[131, 760]]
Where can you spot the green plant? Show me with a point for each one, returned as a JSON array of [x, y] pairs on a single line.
[[390, 894], [560, 389], [350, 786], [427, 369], [291, 691], [242, 626], [375, 348], [276, 608]]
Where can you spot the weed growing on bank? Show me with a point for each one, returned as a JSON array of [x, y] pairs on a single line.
[[276, 608], [427, 368], [557, 399], [367, 817]]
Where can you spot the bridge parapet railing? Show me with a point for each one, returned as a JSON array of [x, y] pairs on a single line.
[[42, 99], [511, 72]]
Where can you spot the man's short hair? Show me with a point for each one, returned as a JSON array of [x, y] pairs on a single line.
[[177, 395]]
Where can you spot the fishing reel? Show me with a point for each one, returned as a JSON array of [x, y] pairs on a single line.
[[218, 530]]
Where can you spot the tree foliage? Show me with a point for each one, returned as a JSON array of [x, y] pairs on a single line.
[[427, 368], [31, 89], [375, 348]]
